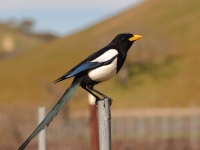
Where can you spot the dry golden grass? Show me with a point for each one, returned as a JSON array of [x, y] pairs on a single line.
[[170, 31]]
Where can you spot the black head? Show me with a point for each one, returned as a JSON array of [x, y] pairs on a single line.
[[125, 40]]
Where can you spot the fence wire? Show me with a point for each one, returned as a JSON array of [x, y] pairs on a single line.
[[142, 129], [152, 129]]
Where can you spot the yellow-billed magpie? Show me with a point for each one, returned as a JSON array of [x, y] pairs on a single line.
[[98, 67], [103, 64]]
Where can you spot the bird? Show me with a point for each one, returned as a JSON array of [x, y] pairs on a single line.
[[98, 67]]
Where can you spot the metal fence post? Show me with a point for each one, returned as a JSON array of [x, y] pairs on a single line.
[[42, 134], [104, 124]]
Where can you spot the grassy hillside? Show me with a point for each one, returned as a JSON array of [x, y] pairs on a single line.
[[162, 67]]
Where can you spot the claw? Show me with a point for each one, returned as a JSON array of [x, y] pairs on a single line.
[[110, 101], [96, 103]]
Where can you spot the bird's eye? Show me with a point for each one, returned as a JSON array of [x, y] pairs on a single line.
[[123, 38]]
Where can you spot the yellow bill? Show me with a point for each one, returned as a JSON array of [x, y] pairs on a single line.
[[135, 37]]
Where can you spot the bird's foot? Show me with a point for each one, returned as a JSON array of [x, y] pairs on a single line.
[[110, 101]]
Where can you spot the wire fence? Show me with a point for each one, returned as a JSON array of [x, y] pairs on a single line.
[[155, 128], [142, 129]]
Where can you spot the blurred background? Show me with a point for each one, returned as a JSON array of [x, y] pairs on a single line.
[[156, 96]]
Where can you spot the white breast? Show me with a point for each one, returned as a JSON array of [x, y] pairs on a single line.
[[104, 73]]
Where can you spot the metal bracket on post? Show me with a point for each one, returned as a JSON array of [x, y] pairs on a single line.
[[104, 124]]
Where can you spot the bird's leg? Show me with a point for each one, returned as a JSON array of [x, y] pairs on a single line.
[[104, 96], [96, 97]]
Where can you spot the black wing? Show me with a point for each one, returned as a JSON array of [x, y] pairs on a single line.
[[84, 66]]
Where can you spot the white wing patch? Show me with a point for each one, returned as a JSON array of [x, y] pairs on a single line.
[[106, 56], [104, 73]]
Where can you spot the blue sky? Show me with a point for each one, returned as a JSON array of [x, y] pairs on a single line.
[[62, 16]]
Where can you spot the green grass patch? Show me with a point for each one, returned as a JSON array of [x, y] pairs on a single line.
[[155, 71]]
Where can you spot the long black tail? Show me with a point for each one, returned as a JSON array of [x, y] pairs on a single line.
[[46, 121]]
